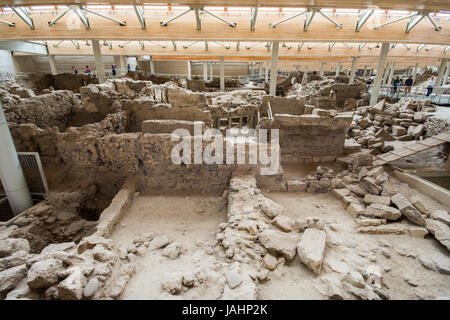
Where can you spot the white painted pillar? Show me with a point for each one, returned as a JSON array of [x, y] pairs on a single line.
[[266, 73], [222, 73], [211, 70], [260, 72], [338, 69], [352, 70], [274, 68], [322, 66], [386, 73], [11, 173], [51, 60], [365, 70], [416, 68], [189, 76], [379, 76], [152, 67], [98, 61], [123, 64], [391, 73], [444, 81], [297, 68], [441, 72], [205, 70]]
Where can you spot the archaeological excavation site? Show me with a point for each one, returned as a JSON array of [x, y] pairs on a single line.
[[191, 151]]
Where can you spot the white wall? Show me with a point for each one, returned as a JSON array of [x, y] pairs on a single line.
[[6, 61]]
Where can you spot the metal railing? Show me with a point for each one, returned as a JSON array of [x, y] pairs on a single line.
[[437, 96]]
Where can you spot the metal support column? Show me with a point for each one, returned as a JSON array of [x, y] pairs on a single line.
[[338, 69], [273, 69], [222, 73], [416, 68], [322, 67], [378, 78], [11, 173], [441, 72], [205, 70], [391, 73], [210, 71], [352, 70], [51, 60], [98, 61], [189, 70]]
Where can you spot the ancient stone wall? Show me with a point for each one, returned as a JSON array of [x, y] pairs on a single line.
[[311, 137], [282, 105]]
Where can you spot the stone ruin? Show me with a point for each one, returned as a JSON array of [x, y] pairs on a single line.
[[105, 145]]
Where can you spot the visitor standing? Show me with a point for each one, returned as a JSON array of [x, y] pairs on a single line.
[[408, 84], [430, 86]]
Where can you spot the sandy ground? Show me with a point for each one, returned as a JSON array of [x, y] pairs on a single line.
[[191, 220]]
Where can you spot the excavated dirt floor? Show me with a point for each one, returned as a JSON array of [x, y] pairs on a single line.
[[192, 220]]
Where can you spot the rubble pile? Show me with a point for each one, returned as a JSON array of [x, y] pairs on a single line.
[[372, 198], [409, 119], [93, 269], [332, 94]]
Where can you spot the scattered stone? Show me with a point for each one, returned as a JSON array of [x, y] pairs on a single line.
[[441, 216], [10, 245], [406, 208], [356, 279], [64, 246], [340, 193], [10, 278], [173, 285], [370, 198], [269, 207], [417, 202], [296, 185], [376, 210], [43, 274], [91, 288], [71, 288], [370, 185], [233, 278], [393, 228], [418, 232], [172, 251], [16, 259], [356, 209], [102, 254], [311, 248], [270, 262], [440, 231], [279, 242], [366, 222], [158, 242], [283, 222]]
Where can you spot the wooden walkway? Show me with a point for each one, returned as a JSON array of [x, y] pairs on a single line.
[[413, 148]]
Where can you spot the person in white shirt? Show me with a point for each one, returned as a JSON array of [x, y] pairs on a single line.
[[430, 86]]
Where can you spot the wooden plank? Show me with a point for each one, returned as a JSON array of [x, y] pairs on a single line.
[[443, 136], [184, 29], [431, 142]]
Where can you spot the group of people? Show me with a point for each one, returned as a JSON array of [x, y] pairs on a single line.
[[407, 84], [399, 82], [113, 69], [87, 70]]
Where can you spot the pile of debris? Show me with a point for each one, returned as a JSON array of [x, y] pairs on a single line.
[[93, 269], [409, 119], [372, 198]]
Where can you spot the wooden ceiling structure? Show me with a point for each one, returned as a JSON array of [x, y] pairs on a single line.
[[331, 42]]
